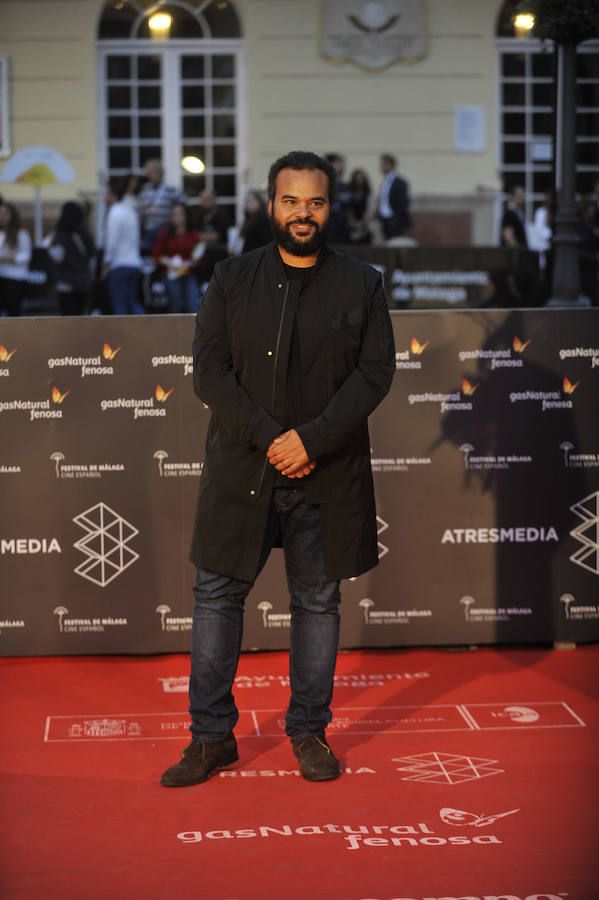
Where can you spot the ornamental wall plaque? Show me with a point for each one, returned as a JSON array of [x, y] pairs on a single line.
[[373, 33]]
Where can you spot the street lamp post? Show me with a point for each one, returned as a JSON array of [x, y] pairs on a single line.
[[565, 283], [567, 23]]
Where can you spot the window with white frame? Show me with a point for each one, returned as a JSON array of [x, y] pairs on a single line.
[[173, 96], [526, 126]]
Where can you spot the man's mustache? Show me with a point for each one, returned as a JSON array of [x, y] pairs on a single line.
[[307, 221]]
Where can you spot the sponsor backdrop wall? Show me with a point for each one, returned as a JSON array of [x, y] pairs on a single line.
[[486, 462]]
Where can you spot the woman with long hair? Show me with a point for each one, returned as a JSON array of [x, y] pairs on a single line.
[[178, 249], [361, 208], [15, 255], [255, 231], [71, 246]]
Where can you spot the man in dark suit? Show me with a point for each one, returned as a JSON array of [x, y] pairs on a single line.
[[513, 223], [338, 222], [394, 200]]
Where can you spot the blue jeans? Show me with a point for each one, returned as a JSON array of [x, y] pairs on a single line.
[[123, 284], [183, 294], [218, 628]]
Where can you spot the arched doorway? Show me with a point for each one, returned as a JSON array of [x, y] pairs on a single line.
[[173, 93], [526, 104]]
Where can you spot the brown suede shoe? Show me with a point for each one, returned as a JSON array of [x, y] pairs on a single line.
[[200, 760], [317, 760]]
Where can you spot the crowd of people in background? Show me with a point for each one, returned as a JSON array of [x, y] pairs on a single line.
[[156, 253], [524, 286], [359, 216]]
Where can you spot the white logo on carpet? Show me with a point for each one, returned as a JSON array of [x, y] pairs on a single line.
[[459, 817], [446, 768]]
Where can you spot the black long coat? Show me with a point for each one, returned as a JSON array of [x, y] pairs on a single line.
[[240, 361]]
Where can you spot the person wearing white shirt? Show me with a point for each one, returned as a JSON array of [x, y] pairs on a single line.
[[15, 256], [539, 234], [122, 259]]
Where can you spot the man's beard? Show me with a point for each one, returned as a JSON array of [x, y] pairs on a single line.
[[308, 247]]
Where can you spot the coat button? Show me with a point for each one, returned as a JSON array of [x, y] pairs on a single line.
[[279, 285], [252, 493], [270, 352]]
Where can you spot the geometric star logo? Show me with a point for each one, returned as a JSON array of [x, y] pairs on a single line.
[[587, 533], [104, 545], [446, 768]]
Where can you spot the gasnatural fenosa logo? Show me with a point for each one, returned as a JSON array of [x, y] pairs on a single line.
[[568, 387], [460, 818], [162, 395], [108, 353], [417, 348], [548, 399], [142, 407], [520, 346], [5, 354], [469, 389], [57, 396], [449, 402], [402, 357], [38, 409], [501, 358], [87, 365]]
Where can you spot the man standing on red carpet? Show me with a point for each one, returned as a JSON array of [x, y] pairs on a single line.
[[293, 350]]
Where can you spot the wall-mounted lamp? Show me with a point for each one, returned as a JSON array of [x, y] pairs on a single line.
[[523, 24], [193, 164], [160, 26]]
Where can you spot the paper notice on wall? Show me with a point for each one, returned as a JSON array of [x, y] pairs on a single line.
[[469, 130]]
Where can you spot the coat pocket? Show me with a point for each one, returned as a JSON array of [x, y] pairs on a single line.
[[347, 318]]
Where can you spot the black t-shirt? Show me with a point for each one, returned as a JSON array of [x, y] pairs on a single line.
[[294, 385]]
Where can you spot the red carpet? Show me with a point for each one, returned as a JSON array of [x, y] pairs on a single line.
[[467, 775]]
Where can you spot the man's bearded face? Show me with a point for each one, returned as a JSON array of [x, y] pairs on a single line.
[[300, 212]]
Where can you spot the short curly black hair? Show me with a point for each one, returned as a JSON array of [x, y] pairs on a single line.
[[301, 159]]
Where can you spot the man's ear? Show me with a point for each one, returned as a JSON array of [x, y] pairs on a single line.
[[269, 207]]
